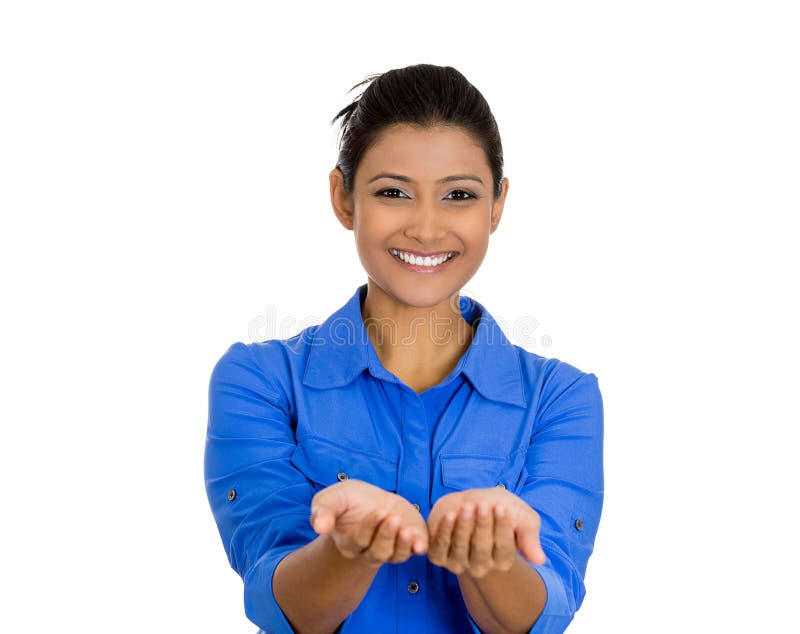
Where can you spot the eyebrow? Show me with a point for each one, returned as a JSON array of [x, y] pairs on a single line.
[[406, 179]]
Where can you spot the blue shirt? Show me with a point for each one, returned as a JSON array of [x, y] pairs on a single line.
[[289, 417]]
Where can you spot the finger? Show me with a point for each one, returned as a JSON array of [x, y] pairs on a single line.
[[482, 541], [440, 543], [366, 530], [402, 547], [419, 538], [505, 549], [459, 545], [421, 544], [527, 535], [383, 545]]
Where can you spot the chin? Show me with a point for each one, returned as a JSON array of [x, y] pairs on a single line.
[[423, 295]]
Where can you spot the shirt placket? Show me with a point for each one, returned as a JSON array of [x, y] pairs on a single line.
[[413, 485]]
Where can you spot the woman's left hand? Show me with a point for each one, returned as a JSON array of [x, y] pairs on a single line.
[[480, 530]]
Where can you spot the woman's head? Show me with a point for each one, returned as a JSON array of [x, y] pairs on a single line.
[[423, 95], [419, 178]]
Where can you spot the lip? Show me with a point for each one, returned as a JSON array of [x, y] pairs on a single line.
[[421, 254], [421, 268]]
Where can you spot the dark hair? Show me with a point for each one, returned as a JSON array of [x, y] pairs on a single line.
[[423, 95]]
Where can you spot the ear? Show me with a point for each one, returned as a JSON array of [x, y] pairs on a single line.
[[341, 201], [498, 204]]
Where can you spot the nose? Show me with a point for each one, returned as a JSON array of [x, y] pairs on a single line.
[[426, 223]]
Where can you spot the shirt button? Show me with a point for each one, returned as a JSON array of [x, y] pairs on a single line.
[[579, 524], [416, 506], [342, 476], [231, 495], [501, 486], [413, 587]]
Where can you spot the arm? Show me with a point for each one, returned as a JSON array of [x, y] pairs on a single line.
[[516, 610], [320, 602], [361, 527], [565, 487], [261, 504]]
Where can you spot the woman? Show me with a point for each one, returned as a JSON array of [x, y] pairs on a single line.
[[454, 480]]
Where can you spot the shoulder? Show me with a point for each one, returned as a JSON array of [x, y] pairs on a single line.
[[549, 380], [275, 365]]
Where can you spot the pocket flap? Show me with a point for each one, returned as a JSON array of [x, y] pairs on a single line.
[[472, 472], [327, 463]]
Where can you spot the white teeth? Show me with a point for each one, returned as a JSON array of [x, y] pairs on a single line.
[[419, 260]]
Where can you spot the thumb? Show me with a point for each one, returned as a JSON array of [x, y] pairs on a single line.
[[528, 544], [325, 508], [322, 519]]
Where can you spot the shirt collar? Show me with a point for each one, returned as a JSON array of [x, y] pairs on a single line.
[[340, 349]]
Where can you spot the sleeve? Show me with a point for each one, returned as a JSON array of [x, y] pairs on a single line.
[[260, 501], [564, 485]]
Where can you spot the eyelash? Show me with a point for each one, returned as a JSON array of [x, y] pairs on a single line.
[[470, 196]]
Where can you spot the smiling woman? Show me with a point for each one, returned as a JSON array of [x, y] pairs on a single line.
[[440, 478]]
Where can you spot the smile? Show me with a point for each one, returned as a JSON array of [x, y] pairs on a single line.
[[422, 264]]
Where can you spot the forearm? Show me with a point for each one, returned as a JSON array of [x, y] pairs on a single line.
[[317, 588], [505, 602]]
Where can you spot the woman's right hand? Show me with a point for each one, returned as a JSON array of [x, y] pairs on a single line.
[[368, 523]]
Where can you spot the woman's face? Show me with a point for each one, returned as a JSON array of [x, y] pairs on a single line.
[[425, 192]]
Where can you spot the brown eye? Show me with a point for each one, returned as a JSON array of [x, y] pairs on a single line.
[[390, 193], [462, 195]]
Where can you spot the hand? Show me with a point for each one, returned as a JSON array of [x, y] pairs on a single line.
[[368, 523], [464, 543]]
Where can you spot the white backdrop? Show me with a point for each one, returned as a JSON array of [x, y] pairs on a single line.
[[164, 193]]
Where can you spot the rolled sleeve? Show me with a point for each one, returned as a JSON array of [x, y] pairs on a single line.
[[556, 615], [259, 499], [564, 486], [259, 599], [558, 609]]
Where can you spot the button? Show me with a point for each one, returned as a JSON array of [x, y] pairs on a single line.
[[579, 524], [342, 476], [501, 486], [231, 495], [413, 587], [416, 506]]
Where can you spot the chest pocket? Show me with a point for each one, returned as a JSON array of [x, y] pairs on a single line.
[[325, 463], [462, 472]]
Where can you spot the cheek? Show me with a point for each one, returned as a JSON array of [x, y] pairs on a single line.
[[474, 227], [369, 240], [373, 230]]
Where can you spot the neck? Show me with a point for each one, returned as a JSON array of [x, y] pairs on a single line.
[[419, 340]]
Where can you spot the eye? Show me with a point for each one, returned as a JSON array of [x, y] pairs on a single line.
[[463, 195], [390, 192]]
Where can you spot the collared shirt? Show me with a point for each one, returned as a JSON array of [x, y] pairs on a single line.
[[289, 417]]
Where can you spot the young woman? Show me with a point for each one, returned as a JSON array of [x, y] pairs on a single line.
[[402, 467]]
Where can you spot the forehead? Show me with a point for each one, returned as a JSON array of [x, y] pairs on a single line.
[[427, 153]]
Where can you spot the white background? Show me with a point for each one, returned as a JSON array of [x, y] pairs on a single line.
[[163, 186]]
